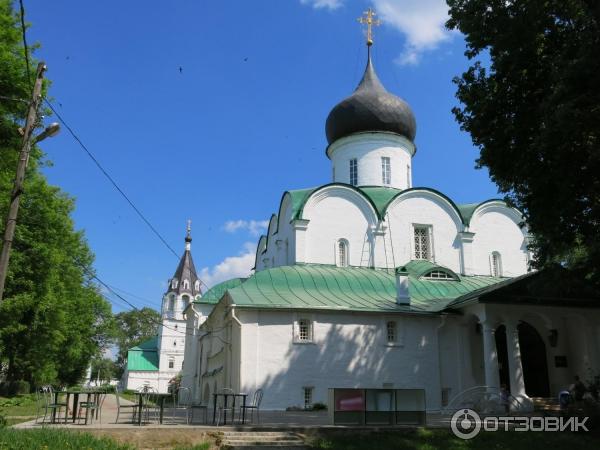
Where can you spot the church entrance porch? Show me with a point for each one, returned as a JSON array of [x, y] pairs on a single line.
[[533, 359], [531, 351]]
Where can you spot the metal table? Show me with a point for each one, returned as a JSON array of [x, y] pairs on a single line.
[[161, 404], [225, 399], [76, 393]]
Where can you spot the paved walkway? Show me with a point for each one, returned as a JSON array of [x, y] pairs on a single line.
[[268, 420]]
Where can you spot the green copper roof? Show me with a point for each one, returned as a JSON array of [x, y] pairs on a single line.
[[381, 197], [214, 294], [299, 197], [144, 356], [419, 267], [467, 210], [316, 286]]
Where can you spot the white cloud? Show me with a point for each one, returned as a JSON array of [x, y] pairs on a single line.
[[320, 4], [421, 21], [231, 267], [254, 227]]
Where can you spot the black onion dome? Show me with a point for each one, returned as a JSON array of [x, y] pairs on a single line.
[[370, 108]]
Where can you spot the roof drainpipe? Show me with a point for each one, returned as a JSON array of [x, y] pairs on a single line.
[[402, 282], [234, 317]]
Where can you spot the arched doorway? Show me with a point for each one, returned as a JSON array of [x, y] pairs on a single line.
[[502, 354], [533, 360]]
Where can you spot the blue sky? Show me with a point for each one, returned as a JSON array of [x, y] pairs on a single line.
[[220, 141]]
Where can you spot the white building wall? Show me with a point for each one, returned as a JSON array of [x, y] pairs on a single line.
[[496, 229], [195, 315], [425, 208], [368, 149], [338, 213], [349, 350]]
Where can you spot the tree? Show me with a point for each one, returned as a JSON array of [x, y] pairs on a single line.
[[531, 102], [104, 369], [134, 327], [53, 320]]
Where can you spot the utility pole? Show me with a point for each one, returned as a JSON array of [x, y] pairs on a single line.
[[15, 197]]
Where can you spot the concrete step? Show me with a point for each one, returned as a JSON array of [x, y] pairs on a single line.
[[248, 440], [264, 447], [257, 433]]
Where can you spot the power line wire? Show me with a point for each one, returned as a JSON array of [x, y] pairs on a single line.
[[160, 323], [89, 153], [110, 178], [25, 46]]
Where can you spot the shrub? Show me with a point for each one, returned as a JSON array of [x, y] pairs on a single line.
[[11, 388], [319, 406]]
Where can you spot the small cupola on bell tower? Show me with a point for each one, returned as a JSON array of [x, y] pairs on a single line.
[[371, 133]]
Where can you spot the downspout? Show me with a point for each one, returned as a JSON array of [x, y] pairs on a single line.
[[196, 378], [239, 373]]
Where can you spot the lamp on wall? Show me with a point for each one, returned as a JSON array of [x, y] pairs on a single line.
[[553, 337]]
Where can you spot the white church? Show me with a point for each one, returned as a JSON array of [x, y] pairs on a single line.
[[372, 281]]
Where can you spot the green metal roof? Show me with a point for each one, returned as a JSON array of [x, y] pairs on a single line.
[[381, 197], [214, 294], [299, 197], [316, 286], [419, 267], [143, 356]]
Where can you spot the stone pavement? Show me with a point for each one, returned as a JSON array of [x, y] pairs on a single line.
[[283, 420]]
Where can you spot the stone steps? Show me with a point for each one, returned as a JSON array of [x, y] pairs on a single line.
[[250, 440]]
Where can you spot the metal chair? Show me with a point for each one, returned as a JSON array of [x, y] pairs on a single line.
[[93, 408], [52, 406], [150, 403], [40, 404], [181, 401], [255, 405], [132, 407], [222, 407]]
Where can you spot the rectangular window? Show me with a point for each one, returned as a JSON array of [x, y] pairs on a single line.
[[353, 172], [386, 170], [304, 331], [308, 397], [422, 243], [391, 332], [171, 364]]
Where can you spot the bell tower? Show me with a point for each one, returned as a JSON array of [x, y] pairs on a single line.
[[183, 288]]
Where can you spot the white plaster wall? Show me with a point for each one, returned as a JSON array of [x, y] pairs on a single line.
[[450, 356], [338, 213], [368, 149], [496, 229], [349, 350], [136, 380], [191, 372], [424, 208]]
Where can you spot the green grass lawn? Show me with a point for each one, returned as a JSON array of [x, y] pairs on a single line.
[[20, 405], [428, 439], [56, 439], [49, 439]]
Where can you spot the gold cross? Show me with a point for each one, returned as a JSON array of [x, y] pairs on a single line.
[[368, 19]]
